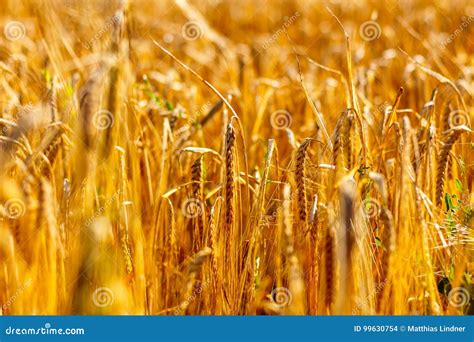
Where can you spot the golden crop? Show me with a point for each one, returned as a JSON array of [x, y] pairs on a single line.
[[236, 157]]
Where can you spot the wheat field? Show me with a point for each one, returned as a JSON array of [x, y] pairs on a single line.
[[218, 157]]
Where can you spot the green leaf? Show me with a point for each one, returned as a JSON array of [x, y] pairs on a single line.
[[448, 201], [451, 273], [150, 93], [169, 106], [458, 184], [467, 278], [46, 75], [378, 242]]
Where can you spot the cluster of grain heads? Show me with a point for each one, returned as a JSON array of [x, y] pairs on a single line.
[[330, 273], [198, 233], [124, 230], [300, 176], [213, 243], [450, 137], [89, 103], [229, 175], [296, 301]]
